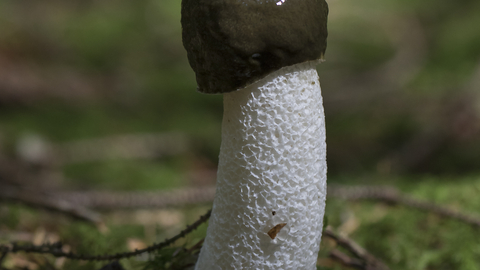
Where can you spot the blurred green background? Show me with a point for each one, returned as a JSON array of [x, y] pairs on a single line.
[[401, 88]]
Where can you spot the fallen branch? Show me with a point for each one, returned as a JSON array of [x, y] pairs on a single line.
[[2, 257], [394, 196], [346, 260], [51, 203], [135, 200], [56, 248], [364, 260]]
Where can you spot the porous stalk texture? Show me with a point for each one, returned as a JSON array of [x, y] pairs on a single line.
[[272, 170]]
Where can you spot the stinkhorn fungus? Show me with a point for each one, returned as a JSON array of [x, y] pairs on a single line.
[[271, 183]]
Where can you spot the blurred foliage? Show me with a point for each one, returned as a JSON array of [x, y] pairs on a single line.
[[401, 88], [394, 70]]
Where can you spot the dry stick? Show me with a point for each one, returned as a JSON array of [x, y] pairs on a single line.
[[39, 200], [387, 194], [368, 261], [139, 199], [393, 195], [441, 211], [19, 183], [346, 260], [2, 257], [132, 200], [347, 243], [55, 249]]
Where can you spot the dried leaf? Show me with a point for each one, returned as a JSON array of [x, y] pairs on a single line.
[[274, 231]]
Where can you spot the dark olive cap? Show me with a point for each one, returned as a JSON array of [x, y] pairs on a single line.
[[233, 43]]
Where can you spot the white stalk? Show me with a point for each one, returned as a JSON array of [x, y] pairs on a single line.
[[272, 171]]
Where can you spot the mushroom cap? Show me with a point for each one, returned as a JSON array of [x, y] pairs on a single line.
[[233, 43]]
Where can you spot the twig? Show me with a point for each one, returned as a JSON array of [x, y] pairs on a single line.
[[439, 210], [198, 245], [55, 249], [2, 257], [394, 196], [347, 243], [345, 260], [132, 200], [135, 200], [39, 200], [365, 260]]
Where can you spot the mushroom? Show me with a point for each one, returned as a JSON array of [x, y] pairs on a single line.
[[271, 182]]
